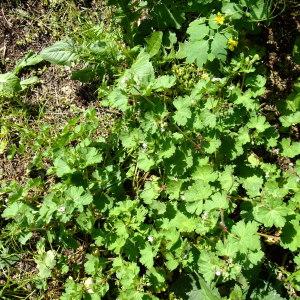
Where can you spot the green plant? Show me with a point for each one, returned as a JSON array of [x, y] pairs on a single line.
[[11, 84], [139, 18]]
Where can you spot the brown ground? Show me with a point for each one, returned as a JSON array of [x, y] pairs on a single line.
[[280, 37], [34, 24], [282, 71], [31, 26]]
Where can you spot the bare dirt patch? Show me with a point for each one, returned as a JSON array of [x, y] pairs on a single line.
[[31, 26]]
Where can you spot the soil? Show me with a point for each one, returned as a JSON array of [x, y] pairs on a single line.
[[16, 23], [33, 25], [280, 37], [57, 97]]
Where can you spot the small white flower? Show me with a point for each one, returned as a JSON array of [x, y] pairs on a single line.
[[150, 238], [218, 273], [90, 291], [291, 164], [124, 80], [88, 284], [216, 79], [62, 209], [205, 215], [144, 145], [182, 197], [267, 174], [279, 275]]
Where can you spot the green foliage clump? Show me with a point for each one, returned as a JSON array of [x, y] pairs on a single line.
[[10, 83]]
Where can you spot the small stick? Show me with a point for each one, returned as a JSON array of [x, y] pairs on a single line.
[[7, 22], [3, 53], [275, 238]]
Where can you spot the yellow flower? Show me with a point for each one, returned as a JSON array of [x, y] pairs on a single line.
[[232, 44], [219, 19]]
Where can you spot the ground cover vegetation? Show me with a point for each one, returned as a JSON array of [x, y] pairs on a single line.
[[166, 163]]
